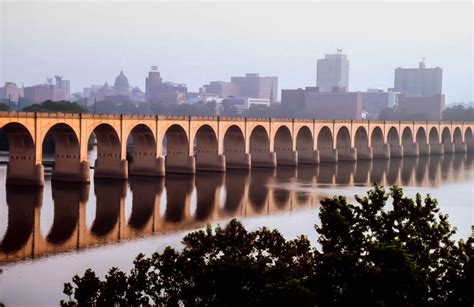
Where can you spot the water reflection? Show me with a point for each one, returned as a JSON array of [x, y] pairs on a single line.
[[182, 202]]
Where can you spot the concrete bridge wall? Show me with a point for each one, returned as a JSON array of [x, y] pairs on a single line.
[[167, 144]]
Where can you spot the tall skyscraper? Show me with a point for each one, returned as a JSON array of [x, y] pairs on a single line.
[[333, 71], [419, 81], [153, 84]]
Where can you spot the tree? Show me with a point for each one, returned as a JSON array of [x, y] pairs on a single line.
[[4, 107], [56, 106], [459, 113], [368, 254]]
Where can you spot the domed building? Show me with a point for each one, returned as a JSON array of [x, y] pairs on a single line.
[[121, 85]]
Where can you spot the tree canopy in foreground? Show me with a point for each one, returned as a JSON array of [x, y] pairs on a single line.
[[386, 249]]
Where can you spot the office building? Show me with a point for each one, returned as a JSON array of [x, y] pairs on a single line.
[[423, 107], [419, 81], [249, 86], [39, 93], [312, 103], [375, 101], [11, 91], [222, 89], [165, 92], [333, 71]]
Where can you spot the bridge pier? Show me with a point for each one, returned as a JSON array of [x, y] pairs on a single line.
[[264, 159], [111, 169], [381, 152], [396, 151], [67, 171], [449, 148], [308, 157], [151, 167], [210, 163], [288, 158], [364, 153], [424, 149], [328, 155], [25, 174], [180, 164], [410, 150], [349, 154], [237, 160], [436, 149], [460, 147], [470, 147]]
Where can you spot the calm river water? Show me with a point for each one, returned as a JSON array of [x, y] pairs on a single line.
[[47, 235]]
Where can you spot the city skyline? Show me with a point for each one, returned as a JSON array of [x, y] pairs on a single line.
[[98, 35]]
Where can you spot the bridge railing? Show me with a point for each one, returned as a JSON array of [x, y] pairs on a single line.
[[15, 114]]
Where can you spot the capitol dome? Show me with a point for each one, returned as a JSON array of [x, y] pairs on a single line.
[[121, 85]]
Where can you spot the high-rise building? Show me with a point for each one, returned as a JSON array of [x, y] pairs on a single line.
[[153, 84], [249, 86], [252, 85], [222, 89], [11, 91], [39, 93], [164, 92], [333, 71], [62, 89], [419, 81], [423, 107], [312, 103], [375, 101]]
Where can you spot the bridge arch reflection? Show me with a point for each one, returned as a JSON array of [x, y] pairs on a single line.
[[168, 204]]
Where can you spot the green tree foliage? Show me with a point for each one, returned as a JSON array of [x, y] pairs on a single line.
[[56, 106], [378, 251], [4, 106], [459, 114], [400, 114]]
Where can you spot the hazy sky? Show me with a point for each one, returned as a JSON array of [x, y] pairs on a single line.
[[196, 42]]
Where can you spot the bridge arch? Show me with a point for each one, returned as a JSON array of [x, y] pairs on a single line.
[[377, 139], [344, 145], [343, 139], [63, 143], [283, 146], [433, 136], [325, 139], [108, 162], [393, 139], [446, 136], [206, 150], [176, 150], [457, 135], [259, 147], [361, 139], [142, 151], [407, 136], [421, 136], [468, 137], [305, 146], [234, 148], [282, 140], [21, 153]]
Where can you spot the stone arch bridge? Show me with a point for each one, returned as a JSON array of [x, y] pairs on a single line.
[[171, 144]]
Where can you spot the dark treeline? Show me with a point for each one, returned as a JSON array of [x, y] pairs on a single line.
[[369, 253], [459, 114], [455, 113]]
